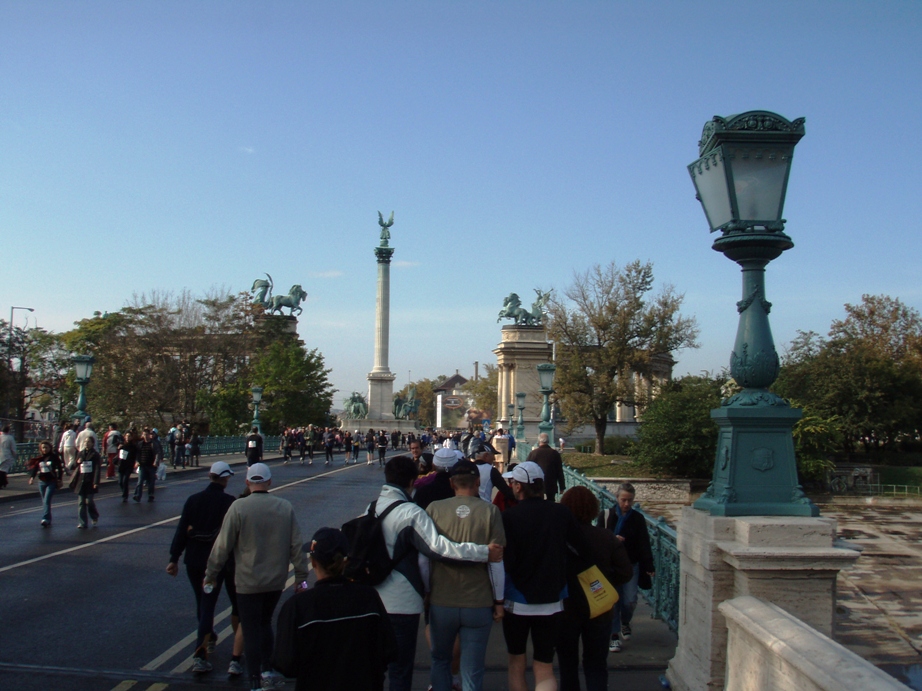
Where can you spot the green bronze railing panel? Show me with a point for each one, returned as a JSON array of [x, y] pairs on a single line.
[[663, 597]]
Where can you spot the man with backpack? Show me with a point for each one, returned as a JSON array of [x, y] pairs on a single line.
[[406, 531]]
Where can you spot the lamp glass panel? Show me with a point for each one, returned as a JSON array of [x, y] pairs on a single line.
[[710, 177], [546, 377], [257, 394], [759, 178], [83, 366]]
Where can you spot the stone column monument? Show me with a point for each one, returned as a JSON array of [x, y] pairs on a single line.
[[381, 379]]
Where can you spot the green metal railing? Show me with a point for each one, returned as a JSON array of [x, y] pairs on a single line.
[[664, 595], [211, 446]]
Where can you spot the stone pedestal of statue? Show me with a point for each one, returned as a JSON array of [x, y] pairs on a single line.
[[521, 350], [789, 561]]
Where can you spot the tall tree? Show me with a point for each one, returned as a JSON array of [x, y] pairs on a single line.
[[867, 375], [296, 390], [484, 391], [607, 328]]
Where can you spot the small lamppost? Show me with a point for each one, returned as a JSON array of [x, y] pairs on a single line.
[[741, 178], [546, 379], [510, 412], [257, 392], [520, 426], [83, 366]]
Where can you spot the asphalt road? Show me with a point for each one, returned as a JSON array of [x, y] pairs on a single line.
[[94, 609]]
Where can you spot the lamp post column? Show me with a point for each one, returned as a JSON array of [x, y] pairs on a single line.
[[520, 425], [257, 392]]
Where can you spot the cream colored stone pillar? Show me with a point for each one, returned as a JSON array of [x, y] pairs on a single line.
[[522, 349], [791, 562]]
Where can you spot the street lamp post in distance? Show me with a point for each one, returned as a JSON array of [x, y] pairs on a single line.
[[9, 366], [83, 366], [257, 392], [546, 380], [741, 180]]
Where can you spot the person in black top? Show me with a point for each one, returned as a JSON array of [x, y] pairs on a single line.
[[127, 458], [551, 463], [253, 447], [147, 465], [539, 537], [320, 629], [630, 527], [202, 516], [86, 482], [50, 471]]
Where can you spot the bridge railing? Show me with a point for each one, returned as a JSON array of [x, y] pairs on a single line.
[[663, 597], [211, 446]]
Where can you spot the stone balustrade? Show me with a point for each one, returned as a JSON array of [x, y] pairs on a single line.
[[768, 648]]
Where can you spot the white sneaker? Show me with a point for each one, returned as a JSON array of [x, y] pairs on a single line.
[[614, 645], [200, 665], [272, 680], [234, 669]]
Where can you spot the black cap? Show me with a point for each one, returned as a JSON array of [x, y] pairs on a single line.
[[464, 467], [326, 544]]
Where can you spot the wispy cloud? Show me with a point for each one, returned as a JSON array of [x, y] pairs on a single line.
[[326, 274], [403, 264], [246, 149]]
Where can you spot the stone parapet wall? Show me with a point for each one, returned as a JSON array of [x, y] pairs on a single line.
[[771, 649]]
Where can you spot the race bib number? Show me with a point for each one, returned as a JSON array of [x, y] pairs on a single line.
[[123, 454], [252, 443], [86, 467], [44, 466]]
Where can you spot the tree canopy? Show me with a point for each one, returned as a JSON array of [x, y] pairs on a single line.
[[607, 327], [866, 375]]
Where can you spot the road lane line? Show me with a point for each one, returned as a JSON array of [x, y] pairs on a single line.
[[187, 663], [124, 685], [159, 686], [86, 545]]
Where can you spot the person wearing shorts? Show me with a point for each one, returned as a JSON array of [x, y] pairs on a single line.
[[537, 535]]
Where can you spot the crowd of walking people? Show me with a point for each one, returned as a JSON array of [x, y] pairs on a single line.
[[448, 551], [451, 538]]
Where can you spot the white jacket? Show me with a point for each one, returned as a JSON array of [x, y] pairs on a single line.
[[414, 531]]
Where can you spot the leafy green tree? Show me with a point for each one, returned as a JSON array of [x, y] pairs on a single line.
[[296, 390], [867, 375], [678, 435], [607, 329], [484, 391]]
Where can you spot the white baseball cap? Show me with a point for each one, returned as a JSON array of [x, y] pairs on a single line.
[[526, 473], [221, 469], [259, 472]]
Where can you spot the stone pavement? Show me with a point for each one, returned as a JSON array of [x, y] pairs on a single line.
[[637, 668]]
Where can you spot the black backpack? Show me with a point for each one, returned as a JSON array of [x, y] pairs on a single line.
[[368, 561]]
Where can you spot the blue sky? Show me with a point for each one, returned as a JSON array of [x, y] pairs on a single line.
[[171, 145]]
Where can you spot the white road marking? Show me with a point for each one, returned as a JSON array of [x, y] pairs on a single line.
[[86, 545]]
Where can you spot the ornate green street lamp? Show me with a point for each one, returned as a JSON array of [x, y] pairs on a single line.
[[520, 426], [546, 380], [83, 366], [257, 392], [741, 178], [510, 410]]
